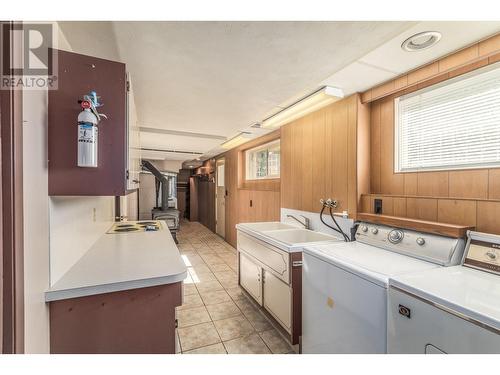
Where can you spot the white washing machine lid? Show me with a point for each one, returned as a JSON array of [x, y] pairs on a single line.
[[369, 262], [471, 293]]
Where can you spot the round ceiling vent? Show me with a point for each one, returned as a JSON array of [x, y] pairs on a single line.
[[421, 41]]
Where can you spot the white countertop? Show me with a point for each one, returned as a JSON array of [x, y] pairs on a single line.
[[123, 261]]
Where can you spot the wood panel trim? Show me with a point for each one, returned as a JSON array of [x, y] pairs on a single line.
[[449, 230], [386, 195], [462, 61], [11, 203]]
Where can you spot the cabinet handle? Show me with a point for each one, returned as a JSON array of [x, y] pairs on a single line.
[[251, 203]]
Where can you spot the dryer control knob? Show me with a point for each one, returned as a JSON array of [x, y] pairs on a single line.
[[420, 241], [374, 230], [395, 236], [364, 228]]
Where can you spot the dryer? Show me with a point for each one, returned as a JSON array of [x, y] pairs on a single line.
[[452, 310]]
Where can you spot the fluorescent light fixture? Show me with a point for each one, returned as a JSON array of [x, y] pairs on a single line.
[[236, 141], [318, 99]]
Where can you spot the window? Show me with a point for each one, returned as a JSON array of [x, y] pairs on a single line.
[[454, 125], [263, 161]]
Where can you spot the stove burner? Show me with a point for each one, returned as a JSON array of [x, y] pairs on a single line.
[[126, 229]]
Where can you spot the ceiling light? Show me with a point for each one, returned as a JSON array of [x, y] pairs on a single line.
[[318, 99], [421, 41], [236, 141]]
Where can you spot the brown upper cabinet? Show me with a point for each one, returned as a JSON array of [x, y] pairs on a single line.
[[78, 75], [326, 154]]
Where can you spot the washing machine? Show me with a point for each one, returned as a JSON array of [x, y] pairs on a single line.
[[344, 285], [452, 310]]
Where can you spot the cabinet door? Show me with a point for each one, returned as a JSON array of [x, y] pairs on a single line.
[[251, 277], [278, 299], [77, 75], [133, 140]]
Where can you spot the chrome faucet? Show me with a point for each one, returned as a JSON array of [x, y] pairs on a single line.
[[306, 223]]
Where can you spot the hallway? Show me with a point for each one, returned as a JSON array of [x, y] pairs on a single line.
[[216, 316]]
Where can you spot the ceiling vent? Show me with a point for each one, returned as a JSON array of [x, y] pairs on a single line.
[[421, 41]]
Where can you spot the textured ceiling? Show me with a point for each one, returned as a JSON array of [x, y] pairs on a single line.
[[216, 78]]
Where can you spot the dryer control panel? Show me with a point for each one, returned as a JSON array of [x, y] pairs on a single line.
[[483, 252]]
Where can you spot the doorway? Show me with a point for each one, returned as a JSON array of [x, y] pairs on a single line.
[[220, 198]]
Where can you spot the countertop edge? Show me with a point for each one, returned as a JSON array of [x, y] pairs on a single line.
[[62, 294]]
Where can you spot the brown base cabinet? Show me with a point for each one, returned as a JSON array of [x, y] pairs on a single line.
[[273, 278]]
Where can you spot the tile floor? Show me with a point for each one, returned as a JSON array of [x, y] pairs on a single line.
[[216, 316]]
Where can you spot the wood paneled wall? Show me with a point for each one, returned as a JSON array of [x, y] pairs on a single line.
[[465, 197], [264, 195], [326, 155], [479, 54]]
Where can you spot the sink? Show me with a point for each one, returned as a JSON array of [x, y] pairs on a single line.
[[298, 236], [268, 226]]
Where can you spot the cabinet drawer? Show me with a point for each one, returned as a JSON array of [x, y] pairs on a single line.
[[269, 256]]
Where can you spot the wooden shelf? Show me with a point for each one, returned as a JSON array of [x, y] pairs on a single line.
[[449, 230]]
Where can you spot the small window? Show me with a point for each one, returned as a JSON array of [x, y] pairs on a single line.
[[263, 161], [453, 125]]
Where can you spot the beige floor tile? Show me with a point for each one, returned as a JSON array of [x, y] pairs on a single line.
[[275, 342], [245, 305], [229, 283], [189, 289], [198, 336], [211, 349], [236, 293], [190, 301], [192, 316], [191, 260], [220, 267], [209, 285], [226, 275], [251, 344], [232, 328], [214, 297], [199, 269], [203, 277], [258, 320], [214, 259], [223, 310]]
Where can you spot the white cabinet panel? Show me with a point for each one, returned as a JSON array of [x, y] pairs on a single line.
[[278, 300], [251, 277], [270, 257]]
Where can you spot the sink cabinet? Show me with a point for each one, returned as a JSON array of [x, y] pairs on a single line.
[[273, 278]]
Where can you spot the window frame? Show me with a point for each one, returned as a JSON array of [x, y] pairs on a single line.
[[264, 146], [397, 169]]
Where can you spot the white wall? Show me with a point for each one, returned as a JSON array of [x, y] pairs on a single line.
[[75, 225]]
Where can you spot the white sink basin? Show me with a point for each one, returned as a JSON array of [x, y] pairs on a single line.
[[298, 236], [267, 226]]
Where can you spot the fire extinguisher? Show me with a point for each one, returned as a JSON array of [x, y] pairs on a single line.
[[88, 131]]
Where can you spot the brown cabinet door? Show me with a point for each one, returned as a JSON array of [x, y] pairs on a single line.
[[77, 75]]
